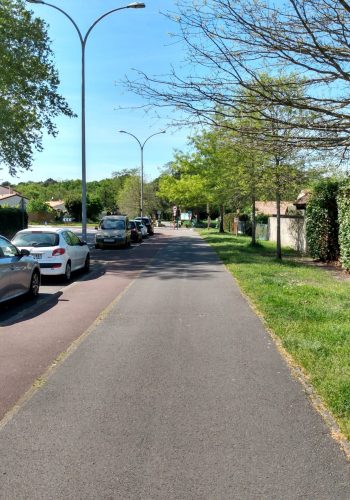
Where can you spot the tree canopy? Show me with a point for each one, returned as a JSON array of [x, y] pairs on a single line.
[[29, 98]]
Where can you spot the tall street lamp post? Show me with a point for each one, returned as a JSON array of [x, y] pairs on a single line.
[[83, 40], [141, 147]]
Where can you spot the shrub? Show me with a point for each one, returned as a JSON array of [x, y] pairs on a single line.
[[322, 222], [12, 220], [344, 223]]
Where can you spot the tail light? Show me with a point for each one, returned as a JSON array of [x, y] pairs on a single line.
[[58, 251]]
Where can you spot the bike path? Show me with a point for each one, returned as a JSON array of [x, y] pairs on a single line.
[[177, 393]]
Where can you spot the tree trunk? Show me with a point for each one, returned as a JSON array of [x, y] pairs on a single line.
[[221, 228], [253, 220], [278, 226]]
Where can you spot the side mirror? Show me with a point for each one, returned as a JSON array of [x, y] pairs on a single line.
[[24, 252]]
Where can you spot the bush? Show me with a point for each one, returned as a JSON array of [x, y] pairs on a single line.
[[322, 222], [344, 223], [12, 220]]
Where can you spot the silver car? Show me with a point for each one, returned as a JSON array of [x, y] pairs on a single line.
[[19, 272]]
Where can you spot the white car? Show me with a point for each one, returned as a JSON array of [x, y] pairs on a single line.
[[143, 228], [58, 250]]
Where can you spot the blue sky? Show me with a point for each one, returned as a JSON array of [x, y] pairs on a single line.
[[131, 38]]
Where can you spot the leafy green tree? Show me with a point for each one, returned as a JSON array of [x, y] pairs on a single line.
[[94, 207], [130, 196], [28, 86], [73, 205], [37, 205]]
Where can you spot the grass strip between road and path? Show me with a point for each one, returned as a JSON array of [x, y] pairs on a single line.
[[306, 307]]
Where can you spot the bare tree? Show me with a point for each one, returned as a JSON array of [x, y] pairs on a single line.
[[230, 44]]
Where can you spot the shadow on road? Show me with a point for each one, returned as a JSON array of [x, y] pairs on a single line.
[[29, 308]]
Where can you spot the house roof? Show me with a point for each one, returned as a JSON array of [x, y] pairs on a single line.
[[303, 199], [6, 196], [269, 207], [57, 204]]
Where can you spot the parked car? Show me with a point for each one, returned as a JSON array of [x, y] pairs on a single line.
[[136, 234], [19, 272], [58, 250], [142, 227], [113, 231], [147, 221]]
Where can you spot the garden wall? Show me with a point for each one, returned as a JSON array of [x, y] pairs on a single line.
[[293, 232]]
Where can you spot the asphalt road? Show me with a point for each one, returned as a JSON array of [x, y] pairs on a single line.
[[177, 392]]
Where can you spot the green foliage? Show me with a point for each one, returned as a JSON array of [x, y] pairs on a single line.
[[12, 220], [74, 207], [28, 86], [35, 205], [344, 223], [94, 208], [322, 221]]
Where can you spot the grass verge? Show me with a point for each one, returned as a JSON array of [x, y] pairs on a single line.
[[306, 307]]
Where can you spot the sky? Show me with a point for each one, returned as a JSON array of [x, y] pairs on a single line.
[[125, 40]]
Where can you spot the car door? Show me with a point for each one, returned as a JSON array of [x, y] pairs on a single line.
[[78, 250], [14, 272]]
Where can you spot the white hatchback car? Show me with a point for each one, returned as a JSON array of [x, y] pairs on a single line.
[[58, 250]]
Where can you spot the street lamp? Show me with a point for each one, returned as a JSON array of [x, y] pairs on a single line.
[[83, 40], [141, 147]]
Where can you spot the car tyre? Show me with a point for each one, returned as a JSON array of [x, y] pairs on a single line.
[[68, 272], [87, 264], [34, 285]]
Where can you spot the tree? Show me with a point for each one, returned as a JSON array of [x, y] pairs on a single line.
[[28, 86], [129, 197], [232, 41]]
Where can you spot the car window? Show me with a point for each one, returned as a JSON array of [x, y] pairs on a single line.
[[112, 224], [7, 250], [36, 239], [74, 239], [132, 224]]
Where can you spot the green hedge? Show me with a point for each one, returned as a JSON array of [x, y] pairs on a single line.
[[322, 222], [12, 220], [344, 224]]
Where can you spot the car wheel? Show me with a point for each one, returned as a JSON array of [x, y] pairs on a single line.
[[68, 272], [97, 246], [87, 263], [34, 285]]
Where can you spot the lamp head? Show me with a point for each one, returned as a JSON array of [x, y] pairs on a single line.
[[35, 1], [136, 5]]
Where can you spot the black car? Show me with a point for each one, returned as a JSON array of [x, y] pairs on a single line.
[[147, 221]]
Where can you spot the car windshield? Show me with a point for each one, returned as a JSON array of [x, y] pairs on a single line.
[[36, 239], [112, 224]]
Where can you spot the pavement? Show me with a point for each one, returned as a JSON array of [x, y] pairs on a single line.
[[175, 391]]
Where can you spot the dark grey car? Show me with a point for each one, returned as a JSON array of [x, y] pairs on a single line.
[[19, 272]]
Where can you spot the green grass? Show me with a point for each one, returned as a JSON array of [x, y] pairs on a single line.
[[306, 307]]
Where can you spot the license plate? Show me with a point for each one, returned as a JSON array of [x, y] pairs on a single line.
[[36, 256], [109, 240]]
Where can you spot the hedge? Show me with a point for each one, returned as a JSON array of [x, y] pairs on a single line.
[[322, 222], [12, 220], [344, 224]]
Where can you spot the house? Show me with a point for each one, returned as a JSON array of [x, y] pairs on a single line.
[[57, 205], [10, 198], [302, 200], [270, 207]]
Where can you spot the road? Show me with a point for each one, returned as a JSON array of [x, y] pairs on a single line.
[[175, 392]]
